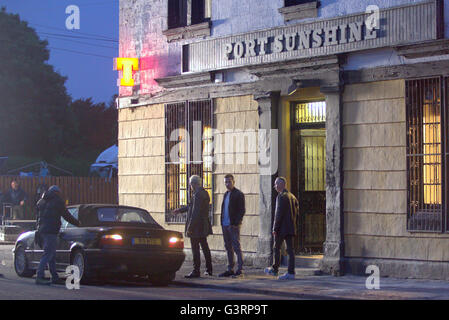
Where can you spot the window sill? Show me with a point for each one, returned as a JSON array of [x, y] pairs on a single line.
[[188, 32], [300, 11]]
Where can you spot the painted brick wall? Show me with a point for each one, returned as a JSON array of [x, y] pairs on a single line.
[[141, 26], [142, 23]]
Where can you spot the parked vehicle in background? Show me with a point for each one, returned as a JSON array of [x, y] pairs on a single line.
[[106, 165], [113, 241]]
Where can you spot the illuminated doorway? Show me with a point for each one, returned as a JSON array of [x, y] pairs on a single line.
[[309, 173]]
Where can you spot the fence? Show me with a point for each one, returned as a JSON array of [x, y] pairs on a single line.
[[75, 190]]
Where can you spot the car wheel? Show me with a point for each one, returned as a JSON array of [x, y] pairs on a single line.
[[79, 260], [21, 265], [162, 280]]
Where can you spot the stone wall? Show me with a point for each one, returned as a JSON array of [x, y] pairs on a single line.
[[142, 169], [375, 180], [237, 114], [142, 160]]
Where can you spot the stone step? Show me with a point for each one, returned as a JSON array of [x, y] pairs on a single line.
[[308, 261], [305, 272], [302, 272]]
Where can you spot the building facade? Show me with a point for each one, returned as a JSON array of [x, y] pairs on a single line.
[[346, 99]]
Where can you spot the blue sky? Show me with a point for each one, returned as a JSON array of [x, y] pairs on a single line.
[[84, 56]]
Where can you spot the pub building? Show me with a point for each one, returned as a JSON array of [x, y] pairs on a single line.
[[346, 99]]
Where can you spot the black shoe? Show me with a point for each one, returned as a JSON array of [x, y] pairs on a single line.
[[226, 274], [43, 281], [239, 273], [192, 274], [208, 273], [57, 281]]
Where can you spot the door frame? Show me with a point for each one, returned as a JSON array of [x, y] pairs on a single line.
[[299, 242]]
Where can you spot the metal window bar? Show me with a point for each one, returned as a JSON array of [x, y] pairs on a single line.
[[175, 188], [200, 125], [446, 152], [196, 119], [310, 112], [424, 155]]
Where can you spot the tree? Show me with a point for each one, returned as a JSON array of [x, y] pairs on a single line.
[[38, 119], [34, 118], [95, 123]]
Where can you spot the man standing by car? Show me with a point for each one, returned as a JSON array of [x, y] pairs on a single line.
[[284, 228], [198, 226], [232, 212], [51, 208]]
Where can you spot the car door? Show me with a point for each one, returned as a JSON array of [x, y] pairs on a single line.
[[66, 237]]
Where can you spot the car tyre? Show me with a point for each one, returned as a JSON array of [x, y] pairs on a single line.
[[21, 265], [162, 280], [79, 259]]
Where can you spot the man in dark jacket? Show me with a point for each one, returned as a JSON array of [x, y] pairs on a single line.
[[232, 212], [198, 226], [16, 197], [51, 208], [284, 228]]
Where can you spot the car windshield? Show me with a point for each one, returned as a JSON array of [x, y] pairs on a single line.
[[102, 172], [130, 215], [74, 213]]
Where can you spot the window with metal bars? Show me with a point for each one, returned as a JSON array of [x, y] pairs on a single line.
[[426, 111], [188, 151], [310, 112]]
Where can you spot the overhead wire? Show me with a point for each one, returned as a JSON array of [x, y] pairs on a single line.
[[72, 35], [61, 49], [83, 43], [72, 32]]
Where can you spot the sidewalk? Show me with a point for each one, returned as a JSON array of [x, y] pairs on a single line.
[[322, 287]]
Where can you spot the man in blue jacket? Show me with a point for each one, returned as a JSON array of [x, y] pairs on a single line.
[[51, 208], [232, 212]]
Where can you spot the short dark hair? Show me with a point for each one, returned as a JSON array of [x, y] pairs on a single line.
[[229, 176]]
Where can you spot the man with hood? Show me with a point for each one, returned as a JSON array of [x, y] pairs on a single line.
[[51, 208]]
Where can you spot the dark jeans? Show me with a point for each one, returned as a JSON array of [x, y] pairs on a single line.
[[231, 237], [195, 243], [277, 253], [49, 242]]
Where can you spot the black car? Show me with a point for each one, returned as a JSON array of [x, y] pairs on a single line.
[[113, 240]]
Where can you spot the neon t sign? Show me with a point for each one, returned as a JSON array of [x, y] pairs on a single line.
[[127, 65]]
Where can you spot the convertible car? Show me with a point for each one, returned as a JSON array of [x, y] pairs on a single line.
[[112, 241]]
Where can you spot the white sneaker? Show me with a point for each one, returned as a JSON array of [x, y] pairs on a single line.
[[287, 276], [270, 272]]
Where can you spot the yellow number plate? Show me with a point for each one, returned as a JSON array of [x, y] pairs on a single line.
[[147, 241]]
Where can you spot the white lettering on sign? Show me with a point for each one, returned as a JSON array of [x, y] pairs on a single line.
[[305, 39]]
